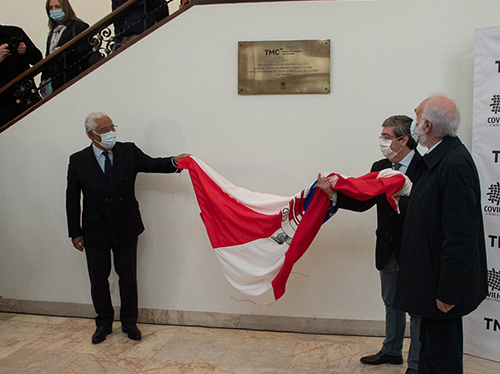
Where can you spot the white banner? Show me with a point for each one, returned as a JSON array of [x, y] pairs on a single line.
[[482, 327]]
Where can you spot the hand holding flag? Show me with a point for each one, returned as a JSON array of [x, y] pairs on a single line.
[[259, 237]]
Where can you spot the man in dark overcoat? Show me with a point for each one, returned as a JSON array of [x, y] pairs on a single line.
[[400, 152], [105, 172], [443, 273]]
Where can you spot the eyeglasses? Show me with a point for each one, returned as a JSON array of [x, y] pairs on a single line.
[[105, 130], [388, 137]]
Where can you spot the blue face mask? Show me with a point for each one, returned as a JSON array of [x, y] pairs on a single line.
[[57, 15]]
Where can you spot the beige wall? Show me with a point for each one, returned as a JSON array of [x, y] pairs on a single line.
[[176, 91]]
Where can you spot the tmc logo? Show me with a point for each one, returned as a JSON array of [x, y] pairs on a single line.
[[272, 52], [492, 323], [494, 239]]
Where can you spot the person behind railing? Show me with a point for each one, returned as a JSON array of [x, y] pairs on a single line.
[[137, 20], [64, 25], [17, 53]]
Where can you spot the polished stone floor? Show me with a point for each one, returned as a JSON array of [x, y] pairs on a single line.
[[53, 345]]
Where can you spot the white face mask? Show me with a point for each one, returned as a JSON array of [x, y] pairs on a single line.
[[108, 140], [385, 148], [417, 134]]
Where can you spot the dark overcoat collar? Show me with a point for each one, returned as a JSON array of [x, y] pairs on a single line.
[[437, 154]]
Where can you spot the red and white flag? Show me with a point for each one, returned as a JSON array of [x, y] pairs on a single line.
[[252, 232]]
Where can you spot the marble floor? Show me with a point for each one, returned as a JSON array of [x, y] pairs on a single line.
[[53, 345]]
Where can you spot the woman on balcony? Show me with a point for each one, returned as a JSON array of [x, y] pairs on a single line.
[[64, 25]]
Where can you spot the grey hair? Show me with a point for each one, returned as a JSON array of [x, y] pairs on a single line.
[[444, 118], [90, 124], [401, 126]]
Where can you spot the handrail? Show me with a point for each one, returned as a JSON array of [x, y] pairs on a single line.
[[98, 39], [97, 35], [38, 68]]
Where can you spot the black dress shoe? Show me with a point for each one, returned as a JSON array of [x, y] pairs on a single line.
[[133, 332], [382, 358], [100, 334], [411, 371]]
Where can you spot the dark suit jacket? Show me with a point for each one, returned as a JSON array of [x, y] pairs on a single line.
[[443, 250], [135, 22], [76, 58], [110, 210], [389, 222], [13, 66], [16, 64]]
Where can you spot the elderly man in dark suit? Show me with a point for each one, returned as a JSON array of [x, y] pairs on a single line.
[[399, 149], [443, 273], [105, 173]]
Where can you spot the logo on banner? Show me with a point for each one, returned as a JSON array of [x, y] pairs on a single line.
[[495, 108], [494, 284], [492, 324], [495, 153], [493, 196], [494, 241], [482, 333]]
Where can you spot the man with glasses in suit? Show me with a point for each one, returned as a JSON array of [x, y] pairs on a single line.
[[399, 149], [105, 173]]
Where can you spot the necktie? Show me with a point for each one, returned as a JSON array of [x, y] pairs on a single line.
[[108, 169], [396, 166]]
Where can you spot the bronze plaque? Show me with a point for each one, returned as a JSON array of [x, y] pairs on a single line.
[[284, 67]]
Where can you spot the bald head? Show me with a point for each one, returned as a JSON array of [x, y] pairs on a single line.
[[442, 112]]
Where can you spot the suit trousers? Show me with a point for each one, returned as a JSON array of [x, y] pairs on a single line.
[[442, 346], [395, 320], [99, 267]]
